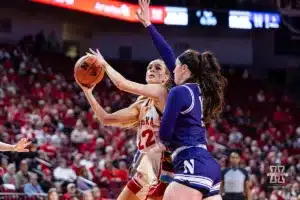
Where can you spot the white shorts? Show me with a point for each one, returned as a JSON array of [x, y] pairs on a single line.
[[145, 182]]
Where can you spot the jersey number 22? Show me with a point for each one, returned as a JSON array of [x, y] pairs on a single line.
[[146, 139]]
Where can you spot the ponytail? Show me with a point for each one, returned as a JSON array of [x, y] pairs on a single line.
[[212, 84]]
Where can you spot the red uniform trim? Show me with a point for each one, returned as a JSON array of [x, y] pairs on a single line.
[[157, 190], [134, 186]]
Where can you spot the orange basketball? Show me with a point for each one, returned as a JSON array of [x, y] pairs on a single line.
[[88, 70]]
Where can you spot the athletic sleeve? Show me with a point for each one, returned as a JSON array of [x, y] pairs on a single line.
[[175, 104], [224, 171], [245, 173], [164, 49]]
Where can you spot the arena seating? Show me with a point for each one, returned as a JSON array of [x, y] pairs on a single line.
[[39, 100]]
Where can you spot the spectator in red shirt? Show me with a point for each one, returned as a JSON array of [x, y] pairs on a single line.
[[37, 91], [76, 166], [8, 64], [279, 115], [121, 174], [49, 148], [69, 120], [108, 171], [11, 75], [90, 146], [57, 93]]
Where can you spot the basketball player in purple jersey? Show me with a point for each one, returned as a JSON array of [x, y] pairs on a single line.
[[195, 101]]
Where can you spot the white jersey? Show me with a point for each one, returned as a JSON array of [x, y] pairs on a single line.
[[146, 180], [148, 129]]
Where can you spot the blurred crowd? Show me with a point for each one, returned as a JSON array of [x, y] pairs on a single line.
[[69, 146], [75, 157], [264, 125]]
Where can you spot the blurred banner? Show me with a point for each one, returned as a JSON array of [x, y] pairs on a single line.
[[232, 19], [122, 10], [250, 20]]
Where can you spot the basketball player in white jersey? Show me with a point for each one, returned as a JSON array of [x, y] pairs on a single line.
[[145, 115]]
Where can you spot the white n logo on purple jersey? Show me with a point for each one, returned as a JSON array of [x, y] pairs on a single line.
[[189, 166]]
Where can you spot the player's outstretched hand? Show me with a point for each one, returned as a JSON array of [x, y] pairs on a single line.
[[22, 145], [98, 55], [143, 13]]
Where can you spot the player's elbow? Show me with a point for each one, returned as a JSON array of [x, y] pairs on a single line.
[[106, 120]]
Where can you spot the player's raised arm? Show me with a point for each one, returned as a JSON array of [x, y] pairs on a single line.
[[160, 43], [122, 118], [155, 91]]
